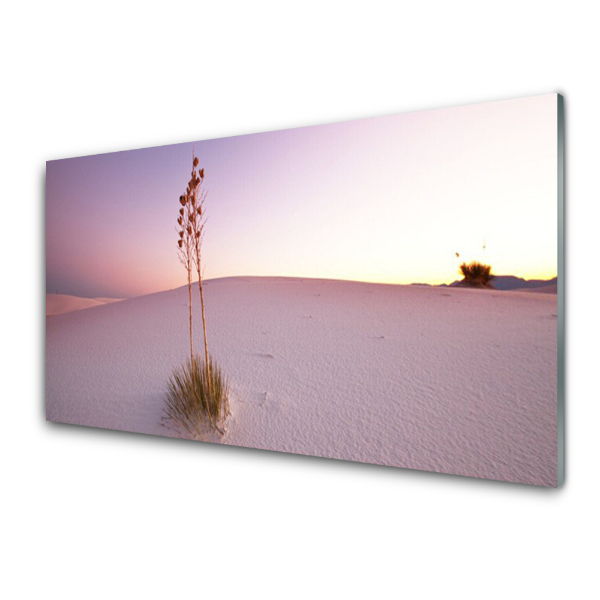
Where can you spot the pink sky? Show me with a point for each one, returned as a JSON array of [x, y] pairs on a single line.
[[388, 199]]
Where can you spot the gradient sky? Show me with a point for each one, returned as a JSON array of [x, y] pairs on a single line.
[[388, 199]]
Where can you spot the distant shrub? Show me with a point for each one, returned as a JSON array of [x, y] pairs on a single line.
[[192, 403], [476, 274]]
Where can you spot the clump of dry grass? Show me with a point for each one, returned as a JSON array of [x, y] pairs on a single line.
[[476, 274], [193, 404]]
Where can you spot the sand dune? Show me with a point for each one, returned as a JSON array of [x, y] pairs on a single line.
[[57, 304], [443, 379], [108, 300], [551, 288]]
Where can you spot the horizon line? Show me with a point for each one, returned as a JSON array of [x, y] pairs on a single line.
[[423, 283]]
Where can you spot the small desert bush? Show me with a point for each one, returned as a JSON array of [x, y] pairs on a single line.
[[191, 404], [476, 274]]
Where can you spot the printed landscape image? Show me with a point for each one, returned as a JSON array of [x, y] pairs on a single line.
[[381, 290]]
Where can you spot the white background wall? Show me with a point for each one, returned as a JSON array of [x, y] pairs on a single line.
[[98, 514]]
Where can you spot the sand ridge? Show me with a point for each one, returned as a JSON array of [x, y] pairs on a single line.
[[57, 304]]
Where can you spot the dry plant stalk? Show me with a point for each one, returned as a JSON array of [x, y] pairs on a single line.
[[196, 195], [185, 251]]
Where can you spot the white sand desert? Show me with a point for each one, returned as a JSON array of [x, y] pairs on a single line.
[[442, 379]]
